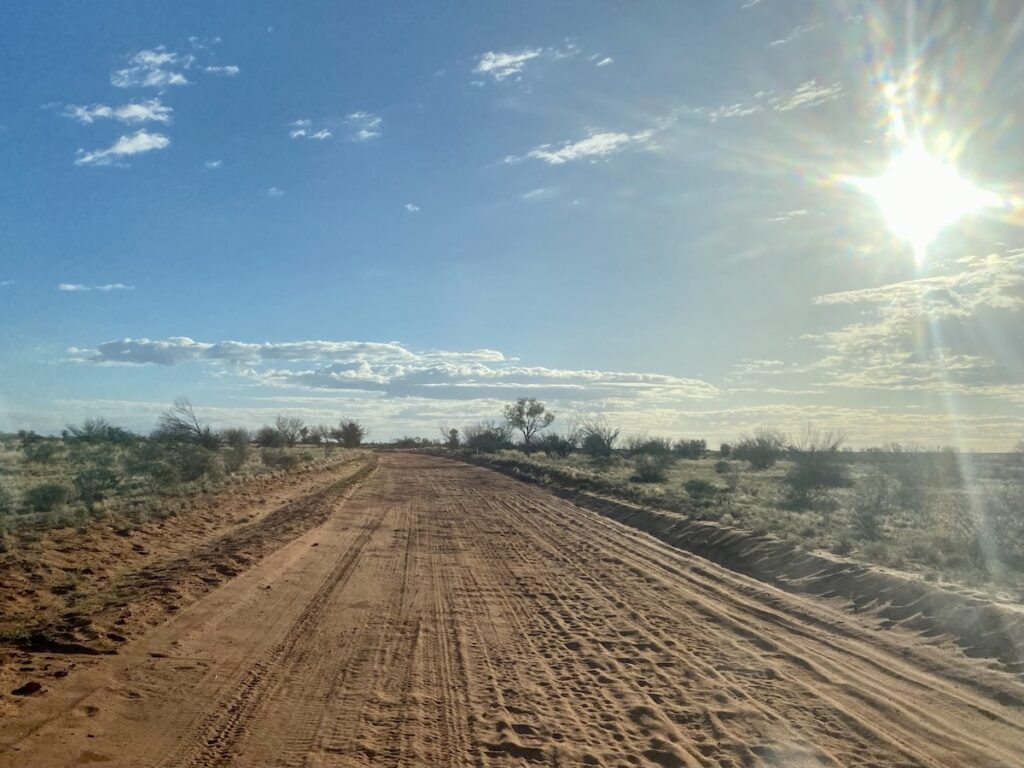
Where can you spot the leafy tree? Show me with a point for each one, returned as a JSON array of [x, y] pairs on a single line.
[[450, 437], [350, 433], [529, 416]]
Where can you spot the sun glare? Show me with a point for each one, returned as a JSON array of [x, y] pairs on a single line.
[[920, 195]]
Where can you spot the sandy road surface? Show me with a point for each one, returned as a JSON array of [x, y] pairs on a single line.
[[447, 615]]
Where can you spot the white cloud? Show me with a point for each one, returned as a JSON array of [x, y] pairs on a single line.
[[784, 217], [393, 370], [805, 96], [161, 68], [411, 207], [126, 146], [502, 65], [213, 164], [795, 34], [146, 111], [4, 283], [106, 288], [808, 94], [364, 126], [275, 192], [592, 147], [303, 129], [156, 68], [908, 337], [229, 70], [605, 62]]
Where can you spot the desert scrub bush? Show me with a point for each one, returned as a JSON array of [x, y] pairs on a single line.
[[290, 430], [700, 490], [873, 504], [651, 467], [598, 436], [6, 501], [690, 449], [722, 467], [559, 446], [151, 461], [487, 437], [816, 467], [642, 444], [762, 449], [96, 431], [41, 451], [275, 458], [179, 424], [46, 497], [234, 458], [350, 433], [93, 484], [235, 437]]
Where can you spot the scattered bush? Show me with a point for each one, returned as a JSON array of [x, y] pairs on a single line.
[[268, 437], [873, 502], [598, 436], [94, 483], [42, 451], [762, 449], [289, 430], [724, 450], [179, 424], [46, 497], [96, 431], [350, 433], [276, 458], [487, 437], [234, 458], [235, 436], [651, 467], [722, 467], [642, 444], [817, 466], [691, 449], [6, 501], [559, 446], [700, 489]]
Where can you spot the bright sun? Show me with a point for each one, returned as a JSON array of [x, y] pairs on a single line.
[[920, 196]]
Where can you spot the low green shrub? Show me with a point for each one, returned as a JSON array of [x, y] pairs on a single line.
[[46, 497]]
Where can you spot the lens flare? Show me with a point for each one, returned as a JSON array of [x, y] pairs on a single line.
[[920, 195]]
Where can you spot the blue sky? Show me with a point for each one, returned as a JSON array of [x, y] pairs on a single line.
[[409, 213]]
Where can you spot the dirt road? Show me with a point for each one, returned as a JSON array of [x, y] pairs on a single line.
[[447, 615]]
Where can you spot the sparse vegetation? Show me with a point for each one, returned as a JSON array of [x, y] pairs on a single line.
[[598, 436], [528, 416], [761, 449], [350, 433]]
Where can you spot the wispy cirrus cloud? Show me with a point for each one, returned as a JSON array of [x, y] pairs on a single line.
[[806, 95], [151, 111], [126, 146], [795, 34], [595, 146], [82, 288]]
